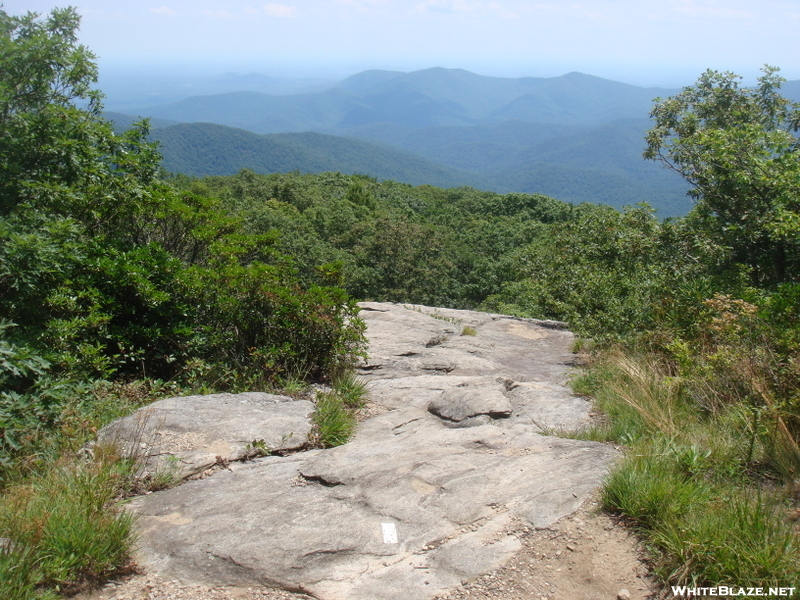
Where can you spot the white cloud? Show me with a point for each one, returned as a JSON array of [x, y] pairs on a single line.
[[164, 10], [362, 7], [220, 14], [502, 11], [465, 7], [362, 3], [704, 9], [279, 10], [448, 6]]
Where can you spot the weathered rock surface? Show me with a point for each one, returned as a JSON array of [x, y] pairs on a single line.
[[411, 506], [463, 404], [185, 436]]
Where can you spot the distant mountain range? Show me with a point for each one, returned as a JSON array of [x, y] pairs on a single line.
[[575, 137], [125, 92], [428, 98]]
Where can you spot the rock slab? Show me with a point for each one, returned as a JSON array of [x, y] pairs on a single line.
[[462, 405], [181, 437], [411, 506]]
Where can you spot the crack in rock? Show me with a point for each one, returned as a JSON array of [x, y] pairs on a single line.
[[321, 479]]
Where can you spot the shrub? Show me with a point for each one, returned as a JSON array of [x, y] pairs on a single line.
[[257, 323]]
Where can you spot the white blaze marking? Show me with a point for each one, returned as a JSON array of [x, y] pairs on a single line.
[[389, 533]]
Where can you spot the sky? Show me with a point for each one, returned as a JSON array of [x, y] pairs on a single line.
[[654, 43]]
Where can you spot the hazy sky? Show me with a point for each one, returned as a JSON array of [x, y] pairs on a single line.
[[664, 42]]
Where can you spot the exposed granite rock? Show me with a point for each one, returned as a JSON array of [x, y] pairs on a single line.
[[411, 506], [467, 403], [185, 436]]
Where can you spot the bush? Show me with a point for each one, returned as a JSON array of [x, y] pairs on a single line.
[[600, 272], [258, 325]]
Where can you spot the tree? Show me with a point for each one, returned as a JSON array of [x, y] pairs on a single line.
[[738, 147], [57, 153], [67, 184]]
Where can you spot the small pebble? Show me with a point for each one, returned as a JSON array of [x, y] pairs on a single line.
[[623, 594]]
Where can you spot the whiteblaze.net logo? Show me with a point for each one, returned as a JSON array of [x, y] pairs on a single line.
[[681, 591]]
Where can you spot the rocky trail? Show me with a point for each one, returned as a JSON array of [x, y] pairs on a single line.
[[449, 489]]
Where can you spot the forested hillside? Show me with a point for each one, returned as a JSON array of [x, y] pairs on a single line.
[[577, 168], [205, 149], [387, 240]]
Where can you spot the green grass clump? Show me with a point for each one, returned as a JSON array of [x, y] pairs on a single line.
[[702, 532], [700, 485], [335, 424], [648, 489], [351, 390], [336, 416], [735, 536], [60, 529], [60, 526]]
